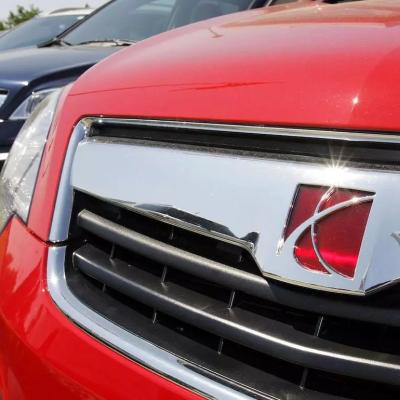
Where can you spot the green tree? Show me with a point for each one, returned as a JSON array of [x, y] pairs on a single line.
[[21, 14]]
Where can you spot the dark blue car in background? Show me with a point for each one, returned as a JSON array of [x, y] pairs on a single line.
[[42, 28], [29, 75]]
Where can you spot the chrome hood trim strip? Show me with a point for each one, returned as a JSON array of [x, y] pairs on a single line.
[[340, 135]]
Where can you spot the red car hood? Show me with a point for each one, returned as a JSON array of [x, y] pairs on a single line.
[[322, 65]]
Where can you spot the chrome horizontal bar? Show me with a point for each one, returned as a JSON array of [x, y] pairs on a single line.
[[340, 135]]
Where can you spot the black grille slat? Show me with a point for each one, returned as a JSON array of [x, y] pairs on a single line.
[[175, 257], [236, 278], [182, 282]]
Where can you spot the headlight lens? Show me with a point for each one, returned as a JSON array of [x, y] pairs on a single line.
[[27, 107], [18, 177]]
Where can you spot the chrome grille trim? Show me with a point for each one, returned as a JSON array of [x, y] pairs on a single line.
[[136, 348], [59, 228], [340, 135]]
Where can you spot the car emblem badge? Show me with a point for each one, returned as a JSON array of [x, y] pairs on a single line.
[[327, 226]]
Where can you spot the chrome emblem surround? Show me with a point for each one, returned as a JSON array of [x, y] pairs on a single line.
[[311, 222]]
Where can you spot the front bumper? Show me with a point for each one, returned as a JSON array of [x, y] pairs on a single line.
[[43, 355]]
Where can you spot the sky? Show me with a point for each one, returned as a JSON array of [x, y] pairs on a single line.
[[45, 5]]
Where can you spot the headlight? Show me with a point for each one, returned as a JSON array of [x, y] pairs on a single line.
[[18, 177], [27, 107]]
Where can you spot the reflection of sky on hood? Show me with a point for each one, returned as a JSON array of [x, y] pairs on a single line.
[[45, 5]]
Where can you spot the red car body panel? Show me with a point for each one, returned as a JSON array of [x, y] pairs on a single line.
[[322, 66], [44, 355]]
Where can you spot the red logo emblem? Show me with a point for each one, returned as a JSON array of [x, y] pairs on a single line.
[[329, 224]]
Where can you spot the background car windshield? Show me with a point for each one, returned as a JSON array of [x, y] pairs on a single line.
[[134, 20], [36, 31]]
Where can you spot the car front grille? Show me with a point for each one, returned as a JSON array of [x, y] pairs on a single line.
[[204, 300]]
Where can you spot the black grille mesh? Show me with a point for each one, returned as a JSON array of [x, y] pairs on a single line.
[[252, 371]]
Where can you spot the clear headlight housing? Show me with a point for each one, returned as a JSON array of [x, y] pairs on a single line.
[[26, 108], [18, 178]]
